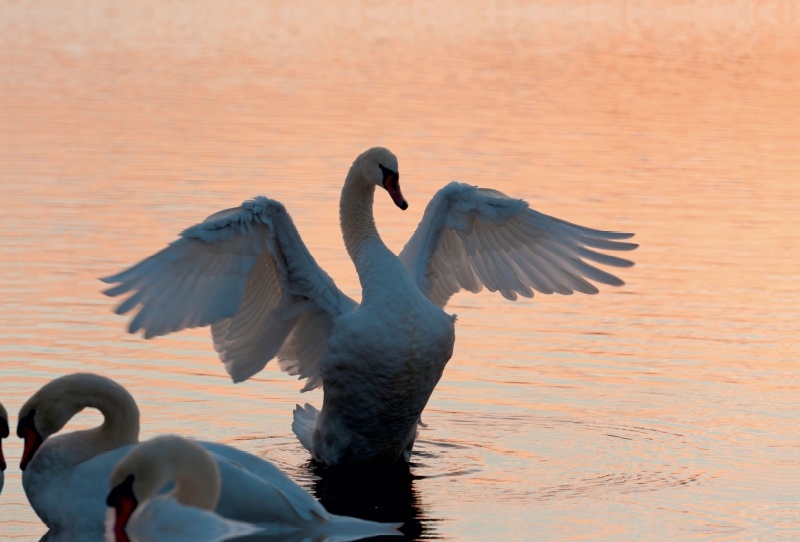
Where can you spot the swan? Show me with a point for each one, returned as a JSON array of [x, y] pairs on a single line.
[[246, 272], [65, 477], [3, 434], [138, 513], [186, 512]]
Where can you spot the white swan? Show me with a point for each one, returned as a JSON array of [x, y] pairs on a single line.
[[186, 513], [65, 477], [3, 434], [246, 272]]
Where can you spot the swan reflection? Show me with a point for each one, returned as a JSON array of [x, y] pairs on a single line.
[[382, 493]]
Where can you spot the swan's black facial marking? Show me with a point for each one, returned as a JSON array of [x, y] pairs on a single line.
[[124, 502], [386, 172], [391, 182], [26, 429], [3, 434]]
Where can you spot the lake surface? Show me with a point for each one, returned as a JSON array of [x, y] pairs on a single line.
[[667, 409]]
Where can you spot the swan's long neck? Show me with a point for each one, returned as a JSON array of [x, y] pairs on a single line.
[[196, 475], [63, 398], [379, 270], [120, 421], [168, 458], [355, 213]]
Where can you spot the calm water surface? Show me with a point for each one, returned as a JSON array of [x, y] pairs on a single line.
[[663, 410]]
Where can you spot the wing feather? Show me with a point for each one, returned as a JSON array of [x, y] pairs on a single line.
[[247, 273], [305, 347], [471, 237], [533, 277]]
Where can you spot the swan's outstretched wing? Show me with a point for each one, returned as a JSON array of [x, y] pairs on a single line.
[[247, 273], [472, 237]]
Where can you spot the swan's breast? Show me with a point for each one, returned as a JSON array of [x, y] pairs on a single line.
[[395, 333], [383, 363]]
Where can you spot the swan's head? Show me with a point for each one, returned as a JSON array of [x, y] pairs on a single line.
[[379, 167], [3, 434], [49, 409], [151, 465]]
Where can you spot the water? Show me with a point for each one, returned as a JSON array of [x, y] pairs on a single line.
[[666, 409]]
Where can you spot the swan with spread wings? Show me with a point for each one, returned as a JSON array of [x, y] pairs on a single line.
[[247, 273]]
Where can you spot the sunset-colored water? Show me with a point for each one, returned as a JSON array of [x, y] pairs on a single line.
[[663, 410]]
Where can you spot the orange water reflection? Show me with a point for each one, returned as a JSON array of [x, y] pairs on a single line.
[[663, 410]]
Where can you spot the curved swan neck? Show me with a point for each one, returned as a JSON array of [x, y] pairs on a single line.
[[120, 417], [156, 462], [355, 212], [58, 401]]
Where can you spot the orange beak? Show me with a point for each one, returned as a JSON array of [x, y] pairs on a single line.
[[26, 429], [124, 502], [391, 182]]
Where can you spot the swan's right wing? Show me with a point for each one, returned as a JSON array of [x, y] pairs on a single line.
[[472, 237], [247, 273]]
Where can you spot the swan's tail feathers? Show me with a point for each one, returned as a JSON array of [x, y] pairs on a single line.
[[345, 529], [305, 421]]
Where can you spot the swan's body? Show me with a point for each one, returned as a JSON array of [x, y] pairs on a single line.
[[187, 512], [247, 273], [3, 434], [65, 477], [404, 341]]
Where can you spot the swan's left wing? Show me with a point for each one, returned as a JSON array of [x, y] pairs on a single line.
[[472, 237], [247, 273]]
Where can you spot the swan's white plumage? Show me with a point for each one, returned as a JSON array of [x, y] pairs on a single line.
[[67, 479], [305, 346], [472, 237], [303, 424], [247, 272], [259, 286], [287, 511], [72, 498]]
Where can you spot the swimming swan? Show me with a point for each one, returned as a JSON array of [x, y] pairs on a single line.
[[246, 273], [187, 512], [66, 477], [139, 513]]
